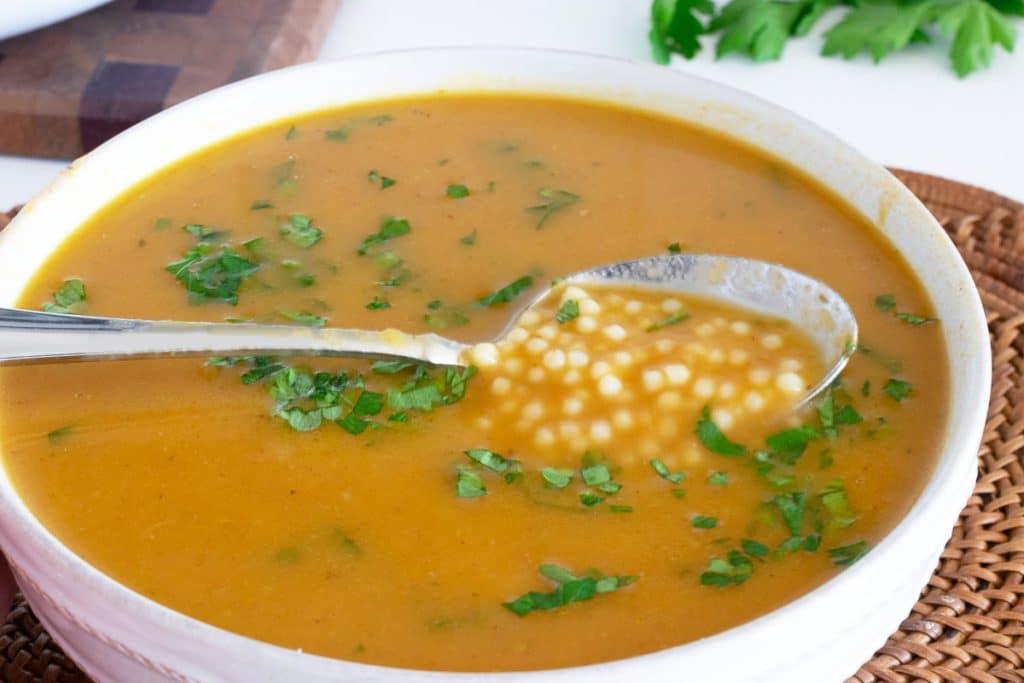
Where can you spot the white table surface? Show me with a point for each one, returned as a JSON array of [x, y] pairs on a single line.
[[911, 112]]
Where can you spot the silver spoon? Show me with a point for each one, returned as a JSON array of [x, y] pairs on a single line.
[[764, 288]]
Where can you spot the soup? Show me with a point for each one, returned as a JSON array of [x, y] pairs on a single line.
[[492, 517]]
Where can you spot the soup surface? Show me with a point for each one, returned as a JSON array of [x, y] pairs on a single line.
[[513, 515]]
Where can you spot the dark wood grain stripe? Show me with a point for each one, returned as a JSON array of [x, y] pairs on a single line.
[[119, 95]]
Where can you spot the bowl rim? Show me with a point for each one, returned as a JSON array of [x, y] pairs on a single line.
[[17, 521]]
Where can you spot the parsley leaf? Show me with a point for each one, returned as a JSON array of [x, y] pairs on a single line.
[[718, 479], [569, 310], [570, 589], [508, 292], [915, 320], [469, 239], [300, 231], [378, 303], [555, 201], [846, 555], [68, 296], [732, 571], [790, 444], [668, 320], [756, 28], [209, 275], [976, 27], [457, 191], [305, 318], [556, 478], [675, 248], [385, 182], [57, 435], [390, 228], [702, 522], [663, 472], [877, 28], [791, 506], [713, 439], [885, 302], [469, 484], [676, 28], [897, 389]]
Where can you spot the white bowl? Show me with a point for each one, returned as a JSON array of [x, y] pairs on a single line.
[[117, 635]]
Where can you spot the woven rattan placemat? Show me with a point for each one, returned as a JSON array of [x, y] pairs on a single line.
[[968, 624]]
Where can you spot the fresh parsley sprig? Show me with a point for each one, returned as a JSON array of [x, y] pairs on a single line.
[[759, 29]]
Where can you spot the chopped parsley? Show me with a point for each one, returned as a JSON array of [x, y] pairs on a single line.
[[554, 201], [377, 304], [390, 228], [556, 477], [212, 274], [590, 499], [675, 248], [915, 320], [713, 439], [833, 498], [384, 181], [885, 302], [57, 435], [260, 204], [570, 589], [668, 320], [68, 298], [663, 472], [508, 292], [790, 444], [620, 508], [469, 483], [791, 506], [846, 555], [292, 133], [897, 389], [597, 475], [703, 522], [718, 479], [304, 318], [509, 469], [300, 231], [754, 548], [457, 191], [569, 310], [468, 239], [732, 571]]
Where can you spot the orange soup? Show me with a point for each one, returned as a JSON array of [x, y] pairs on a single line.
[[625, 472]]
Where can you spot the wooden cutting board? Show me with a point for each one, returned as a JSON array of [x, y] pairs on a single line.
[[67, 88]]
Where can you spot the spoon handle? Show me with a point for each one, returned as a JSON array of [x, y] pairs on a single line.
[[36, 337]]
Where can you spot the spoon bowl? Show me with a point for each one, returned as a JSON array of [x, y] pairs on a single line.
[[756, 286]]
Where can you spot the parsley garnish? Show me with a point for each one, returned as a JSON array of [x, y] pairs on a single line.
[[713, 439], [759, 29], [897, 389], [304, 318], [885, 302], [210, 275], [57, 435], [509, 469], [590, 499], [468, 240], [555, 201], [915, 320], [469, 484], [833, 497], [599, 476], [791, 505], [620, 508], [663, 472], [378, 303], [703, 522], [299, 230], [675, 248], [570, 589], [390, 228], [556, 478], [385, 182], [718, 478], [68, 296], [260, 204], [753, 548], [457, 191], [790, 444], [668, 320], [846, 555], [732, 571], [508, 292], [569, 310], [292, 133]]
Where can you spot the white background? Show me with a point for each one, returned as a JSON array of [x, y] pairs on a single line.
[[911, 112]]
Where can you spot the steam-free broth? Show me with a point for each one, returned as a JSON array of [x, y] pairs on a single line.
[[627, 474]]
